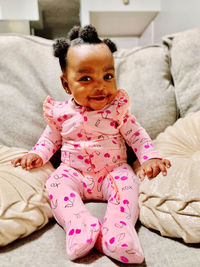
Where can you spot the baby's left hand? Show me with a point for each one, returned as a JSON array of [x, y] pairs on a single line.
[[153, 167]]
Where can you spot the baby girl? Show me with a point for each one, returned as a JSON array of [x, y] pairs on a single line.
[[91, 129]]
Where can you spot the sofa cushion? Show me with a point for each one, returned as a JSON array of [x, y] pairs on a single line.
[[171, 204], [24, 204], [144, 74], [185, 68], [29, 72]]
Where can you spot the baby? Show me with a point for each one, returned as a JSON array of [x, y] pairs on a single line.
[[91, 129]]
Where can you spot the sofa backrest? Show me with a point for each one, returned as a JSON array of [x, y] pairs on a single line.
[[145, 74], [29, 72]]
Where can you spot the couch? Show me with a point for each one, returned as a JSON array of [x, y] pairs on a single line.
[[163, 82]]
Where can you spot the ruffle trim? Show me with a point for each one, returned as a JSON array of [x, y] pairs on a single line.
[[122, 106], [48, 108]]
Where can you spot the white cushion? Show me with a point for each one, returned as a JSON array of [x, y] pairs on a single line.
[[24, 204], [171, 204]]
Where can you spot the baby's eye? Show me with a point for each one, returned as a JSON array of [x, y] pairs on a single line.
[[108, 76], [85, 78]]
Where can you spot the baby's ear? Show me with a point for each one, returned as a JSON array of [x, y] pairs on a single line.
[[65, 84]]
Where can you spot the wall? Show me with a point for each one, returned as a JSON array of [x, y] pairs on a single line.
[[125, 42], [58, 17], [122, 23], [22, 27], [147, 37], [175, 16]]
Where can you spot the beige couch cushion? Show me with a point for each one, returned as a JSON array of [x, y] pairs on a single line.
[[171, 204], [144, 73], [24, 204], [185, 68], [29, 72]]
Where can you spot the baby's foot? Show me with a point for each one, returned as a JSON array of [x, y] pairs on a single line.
[[120, 241], [81, 236]]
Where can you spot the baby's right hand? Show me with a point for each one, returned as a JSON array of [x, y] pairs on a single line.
[[28, 161]]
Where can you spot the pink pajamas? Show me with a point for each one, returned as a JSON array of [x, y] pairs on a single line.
[[94, 167]]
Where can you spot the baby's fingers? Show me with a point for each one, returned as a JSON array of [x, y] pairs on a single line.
[[156, 170], [30, 162], [15, 161], [142, 174], [38, 162], [163, 169], [34, 162], [149, 171], [166, 162], [24, 162]]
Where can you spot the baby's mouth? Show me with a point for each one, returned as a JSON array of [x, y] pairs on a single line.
[[98, 98]]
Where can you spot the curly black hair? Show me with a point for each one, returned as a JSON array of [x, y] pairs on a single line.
[[78, 36]]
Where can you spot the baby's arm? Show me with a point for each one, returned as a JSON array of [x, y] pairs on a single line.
[[46, 146], [137, 137], [48, 143]]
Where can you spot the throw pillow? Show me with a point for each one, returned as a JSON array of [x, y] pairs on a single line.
[[185, 68], [171, 204], [24, 204]]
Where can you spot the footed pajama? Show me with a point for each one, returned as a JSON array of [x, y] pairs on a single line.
[[94, 168], [116, 237]]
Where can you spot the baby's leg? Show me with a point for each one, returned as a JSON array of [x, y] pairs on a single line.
[[65, 190], [118, 238]]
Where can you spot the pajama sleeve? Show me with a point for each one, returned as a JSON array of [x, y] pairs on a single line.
[[50, 140], [134, 134]]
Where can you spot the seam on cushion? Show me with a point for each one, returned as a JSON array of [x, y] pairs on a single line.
[[136, 50], [26, 37]]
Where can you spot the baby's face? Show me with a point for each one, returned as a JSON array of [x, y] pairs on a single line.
[[90, 75]]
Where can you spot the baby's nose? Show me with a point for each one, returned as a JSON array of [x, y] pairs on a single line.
[[99, 85], [99, 91]]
